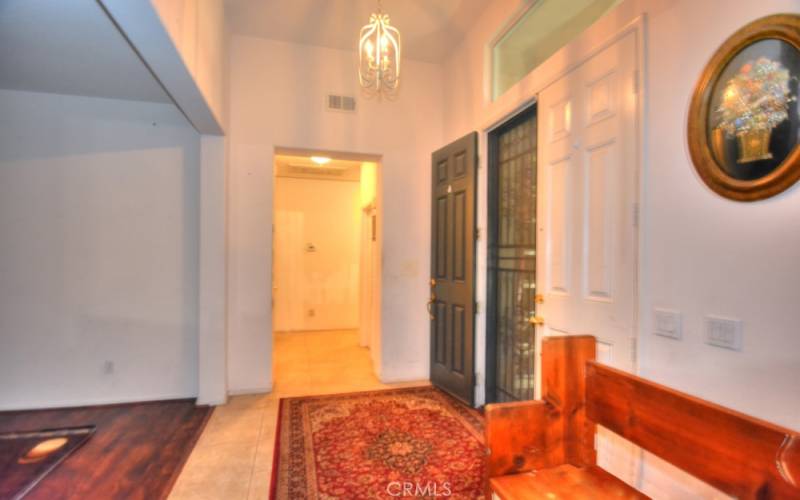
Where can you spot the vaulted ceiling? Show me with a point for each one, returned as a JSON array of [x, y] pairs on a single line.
[[430, 28]]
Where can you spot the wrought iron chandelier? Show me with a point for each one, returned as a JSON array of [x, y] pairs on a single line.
[[379, 55]]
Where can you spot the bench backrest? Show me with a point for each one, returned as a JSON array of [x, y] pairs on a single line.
[[738, 454]]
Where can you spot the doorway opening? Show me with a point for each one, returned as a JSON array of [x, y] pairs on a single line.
[[511, 273], [326, 272]]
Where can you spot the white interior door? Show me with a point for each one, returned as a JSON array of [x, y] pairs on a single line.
[[287, 310], [588, 193], [588, 173]]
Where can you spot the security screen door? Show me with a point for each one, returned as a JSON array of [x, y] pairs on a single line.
[[511, 294]]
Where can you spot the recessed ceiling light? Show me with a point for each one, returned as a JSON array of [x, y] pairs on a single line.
[[320, 160]]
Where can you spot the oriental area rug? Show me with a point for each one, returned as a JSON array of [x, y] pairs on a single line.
[[398, 443]]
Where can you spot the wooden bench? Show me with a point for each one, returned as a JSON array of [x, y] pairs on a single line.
[[545, 449]]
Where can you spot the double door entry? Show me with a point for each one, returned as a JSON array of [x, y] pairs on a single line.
[[562, 240], [562, 243]]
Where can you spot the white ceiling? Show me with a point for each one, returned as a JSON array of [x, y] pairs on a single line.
[[430, 29], [70, 47]]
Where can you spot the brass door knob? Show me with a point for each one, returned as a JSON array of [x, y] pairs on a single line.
[[536, 320]]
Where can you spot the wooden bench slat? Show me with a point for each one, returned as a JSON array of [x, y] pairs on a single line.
[[736, 453], [564, 482]]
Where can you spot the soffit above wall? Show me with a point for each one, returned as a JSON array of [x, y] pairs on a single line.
[[70, 47], [430, 29]]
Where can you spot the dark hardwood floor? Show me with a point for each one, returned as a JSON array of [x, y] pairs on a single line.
[[137, 451]]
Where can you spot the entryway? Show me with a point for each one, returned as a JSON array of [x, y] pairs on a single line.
[[326, 272], [563, 230], [562, 223]]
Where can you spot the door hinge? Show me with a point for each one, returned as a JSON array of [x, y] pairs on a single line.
[[477, 307], [635, 215], [477, 234]]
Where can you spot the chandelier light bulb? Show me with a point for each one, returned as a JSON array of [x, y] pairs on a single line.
[[379, 51]]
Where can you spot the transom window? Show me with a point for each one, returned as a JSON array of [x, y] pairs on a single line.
[[543, 28]]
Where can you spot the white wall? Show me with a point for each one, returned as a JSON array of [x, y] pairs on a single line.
[[277, 93], [197, 28], [316, 290], [700, 254], [99, 231]]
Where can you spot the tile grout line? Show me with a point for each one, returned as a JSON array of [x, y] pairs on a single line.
[[255, 453]]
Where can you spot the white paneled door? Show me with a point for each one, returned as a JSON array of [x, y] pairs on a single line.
[[588, 178], [588, 194]]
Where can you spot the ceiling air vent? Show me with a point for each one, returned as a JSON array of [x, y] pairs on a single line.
[[341, 103]]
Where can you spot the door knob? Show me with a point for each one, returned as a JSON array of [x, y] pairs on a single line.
[[536, 320]]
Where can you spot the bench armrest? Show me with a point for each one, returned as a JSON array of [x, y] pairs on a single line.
[[517, 437]]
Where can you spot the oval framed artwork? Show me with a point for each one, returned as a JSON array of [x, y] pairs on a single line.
[[744, 118]]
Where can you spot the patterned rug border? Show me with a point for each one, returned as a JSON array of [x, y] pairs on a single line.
[[472, 414]]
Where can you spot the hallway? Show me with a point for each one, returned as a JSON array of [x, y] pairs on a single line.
[[233, 458], [321, 362]]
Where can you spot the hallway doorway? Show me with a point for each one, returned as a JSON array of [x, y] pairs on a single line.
[[326, 271]]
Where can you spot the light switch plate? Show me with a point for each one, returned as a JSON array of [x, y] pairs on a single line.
[[667, 323], [724, 332]]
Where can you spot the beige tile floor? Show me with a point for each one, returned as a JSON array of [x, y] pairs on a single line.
[[233, 457]]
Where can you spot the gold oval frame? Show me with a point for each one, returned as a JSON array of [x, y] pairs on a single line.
[[785, 27]]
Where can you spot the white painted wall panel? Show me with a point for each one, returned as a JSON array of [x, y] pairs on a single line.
[[98, 262]]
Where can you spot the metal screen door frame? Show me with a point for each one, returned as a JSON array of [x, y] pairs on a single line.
[[498, 322]]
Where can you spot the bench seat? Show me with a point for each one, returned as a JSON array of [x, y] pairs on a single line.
[[563, 482], [545, 449]]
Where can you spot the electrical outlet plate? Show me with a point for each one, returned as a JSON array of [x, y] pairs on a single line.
[[667, 323], [724, 332]]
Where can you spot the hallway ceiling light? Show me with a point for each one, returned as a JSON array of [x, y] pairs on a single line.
[[379, 55], [320, 160]]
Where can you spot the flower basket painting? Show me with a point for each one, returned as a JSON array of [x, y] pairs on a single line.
[[754, 102], [744, 120]]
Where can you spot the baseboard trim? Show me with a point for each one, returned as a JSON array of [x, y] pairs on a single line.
[[254, 390], [99, 402], [396, 372], [213, 402]]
